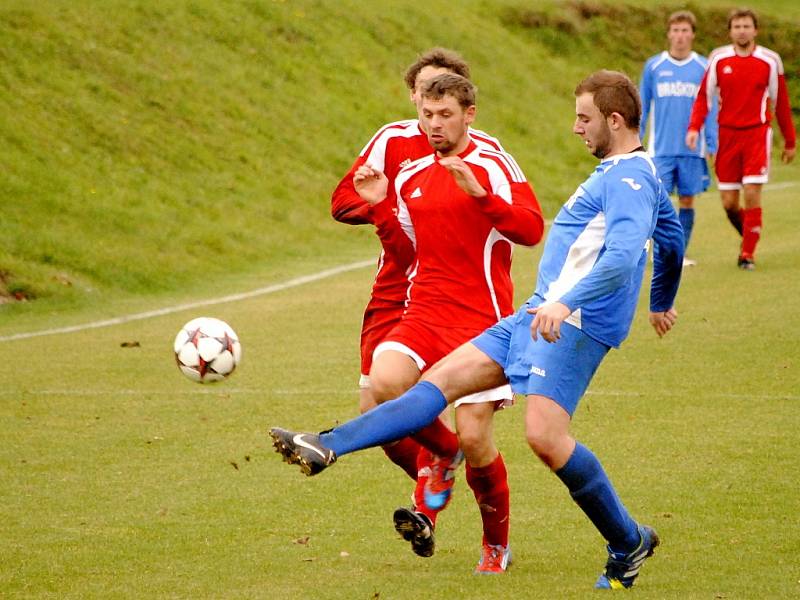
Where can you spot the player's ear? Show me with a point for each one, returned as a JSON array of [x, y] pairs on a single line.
[[616, 121], [469, 114]]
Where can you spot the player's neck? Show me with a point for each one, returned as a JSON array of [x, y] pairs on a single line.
[[624, 142], [457, 149], [744, 50], [679, 54]]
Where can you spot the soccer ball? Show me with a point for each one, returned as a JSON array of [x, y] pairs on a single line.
[[207, 349]]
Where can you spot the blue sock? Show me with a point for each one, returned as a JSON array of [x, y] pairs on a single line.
[[589, 486], [388, 422], [686, 217]]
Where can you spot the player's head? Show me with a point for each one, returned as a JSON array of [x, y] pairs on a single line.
[[742, 26], [607, 106], [431, 63], [447, 108], [681, 26]]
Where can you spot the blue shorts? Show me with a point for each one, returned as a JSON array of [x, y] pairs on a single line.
[[687, 173], [560, 371]]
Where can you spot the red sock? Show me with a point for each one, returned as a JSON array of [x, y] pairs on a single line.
[[437, 438], [424, 462], [404, 453], [490, 486], [751, 231]]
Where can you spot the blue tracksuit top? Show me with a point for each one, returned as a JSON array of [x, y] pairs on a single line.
[[596, 250]]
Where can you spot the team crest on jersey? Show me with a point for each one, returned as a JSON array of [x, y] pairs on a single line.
[[727, 69]]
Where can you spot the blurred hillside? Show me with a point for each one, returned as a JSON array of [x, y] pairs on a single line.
[[153, 147]]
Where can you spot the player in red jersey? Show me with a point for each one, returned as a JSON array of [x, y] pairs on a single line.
[[749, 81], [392, 147], [462, 207]]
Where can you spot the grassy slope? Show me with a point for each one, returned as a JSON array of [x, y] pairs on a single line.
[[184, 148]]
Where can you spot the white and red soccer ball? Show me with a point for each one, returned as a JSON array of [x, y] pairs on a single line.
[[207, 349]]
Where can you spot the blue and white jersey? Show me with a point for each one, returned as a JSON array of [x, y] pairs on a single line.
[[596, 250], [668, 89]]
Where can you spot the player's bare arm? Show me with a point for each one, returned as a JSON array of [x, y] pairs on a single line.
[[547, 321], [662, 322], [371, 184], [463, 175]]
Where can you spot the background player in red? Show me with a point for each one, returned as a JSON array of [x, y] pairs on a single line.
[[392, 147], [749, 81], [463, 207]]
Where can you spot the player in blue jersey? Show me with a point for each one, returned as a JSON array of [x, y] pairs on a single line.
[[588, 284], [669, 85]]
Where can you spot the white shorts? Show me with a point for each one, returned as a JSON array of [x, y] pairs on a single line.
[[502, 393]]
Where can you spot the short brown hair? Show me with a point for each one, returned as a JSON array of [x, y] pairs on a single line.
[[741, 13], [613, 92], [453, 85], [682, 16], [441, 58]]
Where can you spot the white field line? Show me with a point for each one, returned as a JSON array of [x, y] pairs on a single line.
[[779, 186], [234, 297], [278, 287], [213, 390]]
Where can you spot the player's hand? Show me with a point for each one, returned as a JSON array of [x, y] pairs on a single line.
[[547, 321], [691, 138], [463, 175], [787, 155], [662, 322], [371, 184]]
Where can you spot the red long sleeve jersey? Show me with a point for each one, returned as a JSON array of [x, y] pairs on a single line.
[[393, 146], [748, 88], [462, 276]]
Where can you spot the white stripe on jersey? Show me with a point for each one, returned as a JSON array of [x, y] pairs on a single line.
[[711, 81], [614, 160], [402, 208], [775, 70], [494, 237], [375, 150], [581, 257], [517, 176], [498, 180], [481, 138]]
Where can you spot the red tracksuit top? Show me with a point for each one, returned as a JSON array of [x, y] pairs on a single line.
[[748, 88], [393, 146], [462, 276]]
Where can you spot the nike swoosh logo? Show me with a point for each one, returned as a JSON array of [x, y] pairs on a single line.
[[298, 440]]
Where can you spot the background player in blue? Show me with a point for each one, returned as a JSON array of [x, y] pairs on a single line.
[[588, 284], [669, 85]]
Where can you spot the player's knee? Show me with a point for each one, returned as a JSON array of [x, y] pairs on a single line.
[[474, 444], [366, 401], [383, 388], [544, 444]]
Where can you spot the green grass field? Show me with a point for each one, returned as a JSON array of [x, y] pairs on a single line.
[[123, 479]]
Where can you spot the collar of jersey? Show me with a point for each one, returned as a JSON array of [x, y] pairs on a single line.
[[463, 154]]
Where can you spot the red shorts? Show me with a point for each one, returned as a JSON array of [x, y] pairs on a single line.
[[426, 344], [380, 317], [743, 156], [429, 343]]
